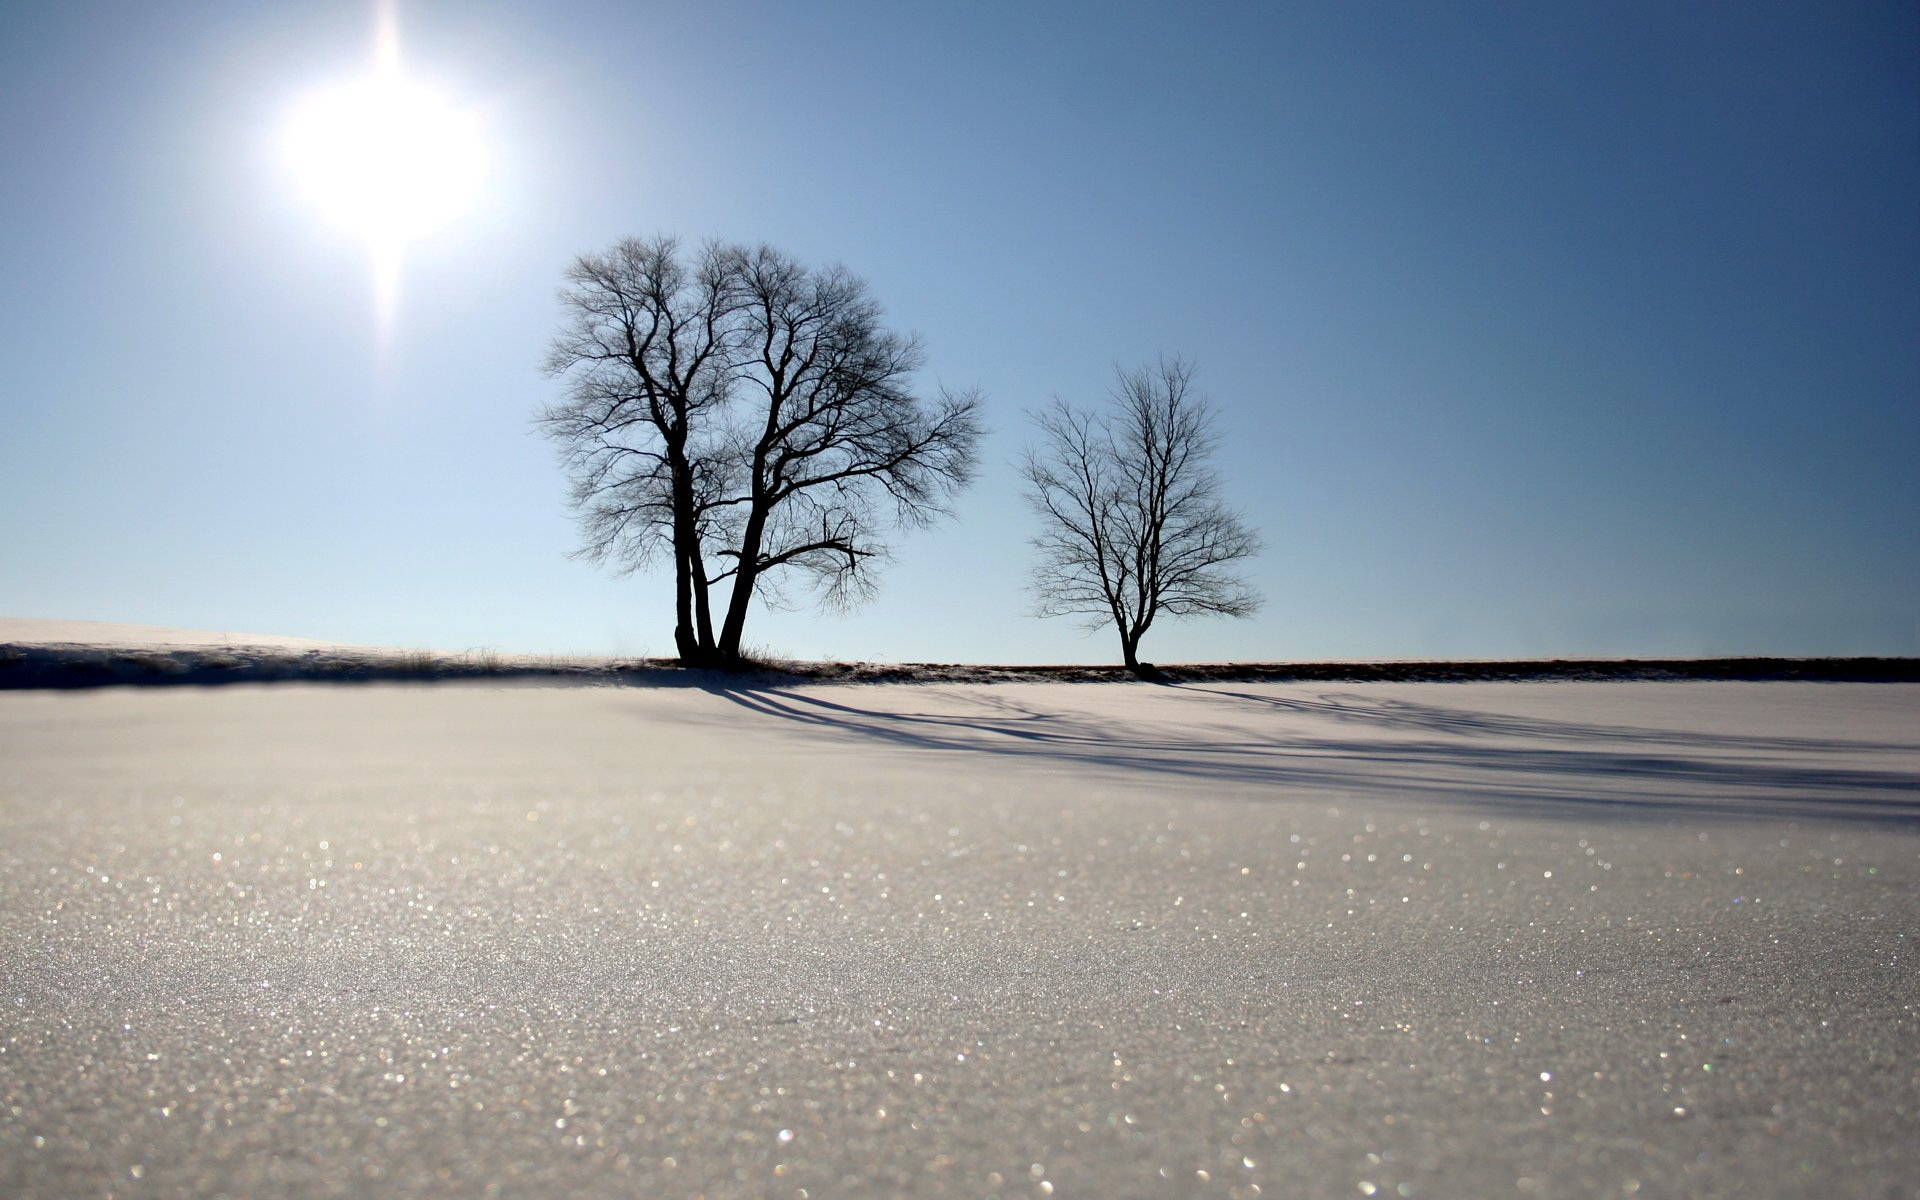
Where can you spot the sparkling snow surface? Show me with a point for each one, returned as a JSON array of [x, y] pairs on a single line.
[[1446, 940]]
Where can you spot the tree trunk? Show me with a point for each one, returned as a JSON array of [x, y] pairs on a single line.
[[727, 652], [747, 576], [693, 622], [1130, 649], [702, 607], [683, 637], [693, 628]]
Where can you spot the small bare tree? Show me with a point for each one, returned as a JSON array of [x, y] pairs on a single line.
[[1132, 525], [751, 415]]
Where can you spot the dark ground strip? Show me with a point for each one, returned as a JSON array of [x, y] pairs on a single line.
[[78, 666]]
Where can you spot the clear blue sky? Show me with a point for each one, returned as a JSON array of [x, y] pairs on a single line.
[[1534, 329]]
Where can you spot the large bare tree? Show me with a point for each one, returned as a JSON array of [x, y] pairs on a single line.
[[1132, 524], [753, 417]]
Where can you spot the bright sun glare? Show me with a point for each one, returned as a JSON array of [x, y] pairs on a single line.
[[386, 158]]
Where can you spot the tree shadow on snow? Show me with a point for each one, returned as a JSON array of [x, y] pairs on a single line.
[[1403, 750]]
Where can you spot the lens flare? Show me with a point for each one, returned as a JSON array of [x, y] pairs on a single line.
[[387, 158]]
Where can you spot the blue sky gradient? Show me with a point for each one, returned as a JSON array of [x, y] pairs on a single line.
[[1533, 329]]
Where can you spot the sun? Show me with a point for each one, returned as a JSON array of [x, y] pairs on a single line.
[[385, 157]]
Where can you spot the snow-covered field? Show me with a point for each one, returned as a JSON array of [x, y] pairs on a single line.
[[1108, 940]]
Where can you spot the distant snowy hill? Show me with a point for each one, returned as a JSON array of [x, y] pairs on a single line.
[[51, 631]]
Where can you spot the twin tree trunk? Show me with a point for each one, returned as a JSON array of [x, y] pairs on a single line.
[[693, 632]]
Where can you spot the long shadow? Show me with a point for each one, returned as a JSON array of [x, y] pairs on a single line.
[[1650, 774], [1407, 714]]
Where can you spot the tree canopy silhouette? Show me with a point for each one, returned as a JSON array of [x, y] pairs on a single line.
[[750, 417], [1132, 525]]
